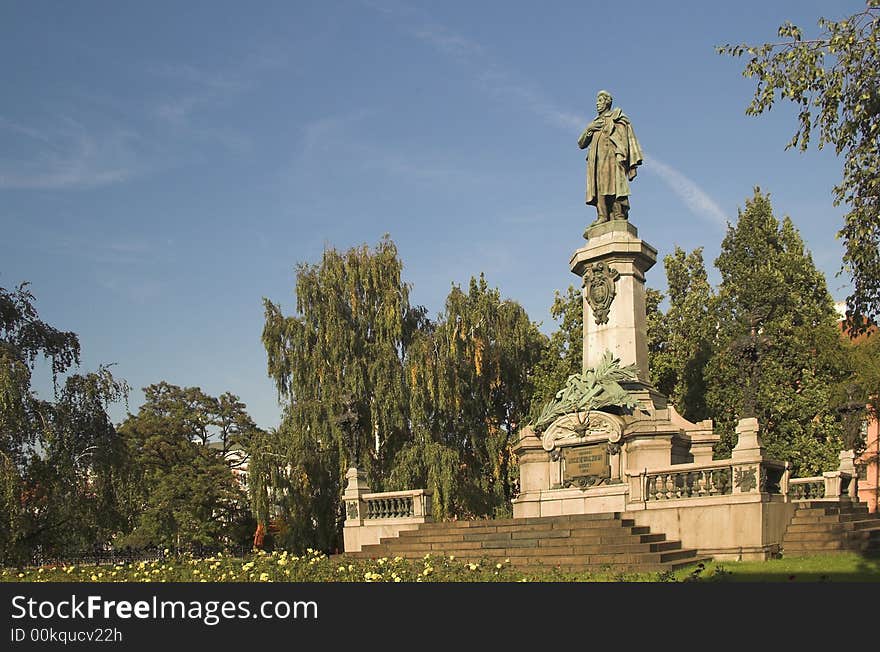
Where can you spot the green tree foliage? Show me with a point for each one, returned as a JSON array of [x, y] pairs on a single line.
[[471, 383], [179, 489], [834, 79], [348, 341], [681, 341], [58, 461], [436, 404], [658, 335], [778, 349], [565, 348], [865, 380], [72, 483]]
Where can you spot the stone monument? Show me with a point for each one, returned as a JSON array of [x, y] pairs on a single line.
[[575, 459]]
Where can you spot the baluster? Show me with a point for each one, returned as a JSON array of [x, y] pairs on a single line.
[[661, 486], [670, 485], [701, 483]]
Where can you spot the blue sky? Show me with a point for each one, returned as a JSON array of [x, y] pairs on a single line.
[[164, 166]]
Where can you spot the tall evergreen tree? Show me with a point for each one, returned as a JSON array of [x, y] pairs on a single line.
[[778, 351], [688, 330]]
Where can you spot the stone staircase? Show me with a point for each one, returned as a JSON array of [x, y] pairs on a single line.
[[819, 527], [588, 542]]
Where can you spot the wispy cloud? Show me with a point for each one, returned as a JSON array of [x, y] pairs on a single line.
[[449, 43], [504, 85], [687, 190], [498, 81], [68, 156], [330, 134], [324, 132], [201, 88], [140, 291]]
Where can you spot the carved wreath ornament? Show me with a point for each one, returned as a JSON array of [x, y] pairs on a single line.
[[599, 290]]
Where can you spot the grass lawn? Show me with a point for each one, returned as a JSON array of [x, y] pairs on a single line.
[[848, 567]]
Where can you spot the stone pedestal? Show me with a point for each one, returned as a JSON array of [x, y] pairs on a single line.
[[614, 251], [748, 444], [652, 435]]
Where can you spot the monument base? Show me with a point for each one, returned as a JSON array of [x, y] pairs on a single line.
[[561, 502]]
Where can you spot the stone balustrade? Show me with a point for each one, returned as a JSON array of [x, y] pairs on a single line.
[[371, 516], [396, 504], [707, 479], [831, 486], [671, 485], [806, 488]]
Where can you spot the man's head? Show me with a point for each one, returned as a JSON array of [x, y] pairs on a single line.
[[603, 101]]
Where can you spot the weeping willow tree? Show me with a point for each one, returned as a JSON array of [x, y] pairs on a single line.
[[343, 350], [471, 380]]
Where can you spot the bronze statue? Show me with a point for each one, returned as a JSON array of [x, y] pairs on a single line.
[[611, 161]]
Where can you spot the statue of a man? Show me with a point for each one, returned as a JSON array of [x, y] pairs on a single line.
[[611, 161]]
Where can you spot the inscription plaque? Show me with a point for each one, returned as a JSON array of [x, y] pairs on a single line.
[[585, 466]]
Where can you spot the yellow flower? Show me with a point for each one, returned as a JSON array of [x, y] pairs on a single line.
[[264, 577], [451, 557], [498, 565], [94, 577]]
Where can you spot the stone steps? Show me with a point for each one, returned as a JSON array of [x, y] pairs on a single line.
[[818, 528], [597, 542]]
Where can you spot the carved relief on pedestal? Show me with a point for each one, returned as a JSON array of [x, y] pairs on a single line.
[[599, 289], [581, 428], [585, 447]]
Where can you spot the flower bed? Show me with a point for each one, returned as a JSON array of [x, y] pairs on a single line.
[[313, 566]]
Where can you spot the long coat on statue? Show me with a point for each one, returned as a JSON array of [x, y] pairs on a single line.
[[612, 158]]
